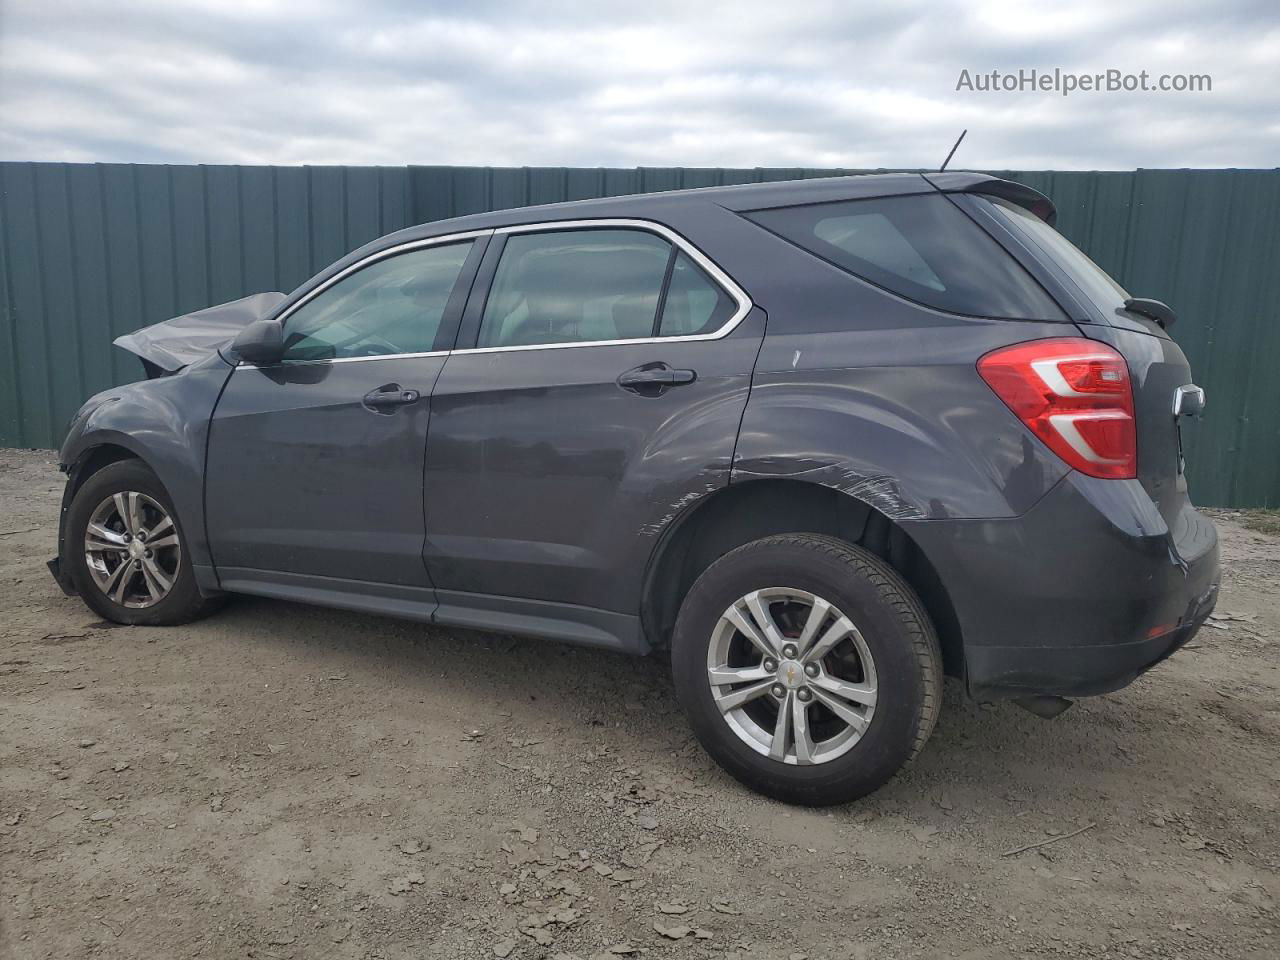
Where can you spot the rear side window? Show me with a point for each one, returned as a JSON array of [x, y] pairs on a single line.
[[695, 304], [920, 247]]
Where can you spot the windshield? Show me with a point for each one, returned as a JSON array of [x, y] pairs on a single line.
[[1093, 281]]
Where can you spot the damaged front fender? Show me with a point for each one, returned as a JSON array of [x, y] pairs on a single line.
[[164, 423]]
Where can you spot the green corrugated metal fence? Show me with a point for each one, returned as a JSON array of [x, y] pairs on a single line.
[[91, 251]]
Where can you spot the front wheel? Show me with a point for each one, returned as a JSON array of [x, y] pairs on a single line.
[[126, 550], [808, 668]]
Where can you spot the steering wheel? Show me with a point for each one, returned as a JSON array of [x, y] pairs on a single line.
[[372, 347]]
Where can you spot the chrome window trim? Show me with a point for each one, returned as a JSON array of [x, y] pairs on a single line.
[[713, 270], [718, 276], [380, 356]]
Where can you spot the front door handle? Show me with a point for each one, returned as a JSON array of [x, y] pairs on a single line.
[[655, 376], [389, 396]]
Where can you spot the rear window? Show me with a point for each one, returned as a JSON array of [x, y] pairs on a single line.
[[920, 247], [1093, 281]]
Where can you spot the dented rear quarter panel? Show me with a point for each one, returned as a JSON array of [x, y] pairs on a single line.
[[860, 391]]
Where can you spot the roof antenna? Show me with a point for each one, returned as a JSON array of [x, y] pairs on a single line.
[[952, 153]]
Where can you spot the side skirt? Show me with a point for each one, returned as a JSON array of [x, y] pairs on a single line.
[[384, 599], [569, 623]]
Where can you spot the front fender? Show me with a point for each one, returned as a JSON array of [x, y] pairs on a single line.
[[165, 423]]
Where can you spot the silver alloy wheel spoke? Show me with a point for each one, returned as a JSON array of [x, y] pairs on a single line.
[[742, 621], [736, 698], [122, 578], [782, 728], [135, 515], [151, 588], [722, 675], [800, 730], [98, 537], [116, 580], [132, 550], [818, 614], [122, 509], [158, 583], [764, 620], [840, 629], [841, 710], [126, 509], [864, 695], [778, 653], [163, 524]]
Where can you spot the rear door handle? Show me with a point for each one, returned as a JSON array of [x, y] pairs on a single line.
[[655, 376], [389, 396]]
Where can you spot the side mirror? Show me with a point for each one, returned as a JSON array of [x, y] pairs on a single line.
[[261, 342]]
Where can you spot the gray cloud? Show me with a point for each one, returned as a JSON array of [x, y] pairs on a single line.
[[715, 84]]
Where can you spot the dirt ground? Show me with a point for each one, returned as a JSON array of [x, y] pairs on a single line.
[[289, 782]]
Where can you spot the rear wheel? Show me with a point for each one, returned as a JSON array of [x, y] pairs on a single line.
[[808, 668], [126, 550]]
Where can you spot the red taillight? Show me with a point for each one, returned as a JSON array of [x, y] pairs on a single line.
[[1074, 394]]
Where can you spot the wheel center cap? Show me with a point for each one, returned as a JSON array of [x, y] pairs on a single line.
[[137, 549], [791, 674]]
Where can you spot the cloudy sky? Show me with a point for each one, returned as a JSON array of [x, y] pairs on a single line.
[[779, 83]]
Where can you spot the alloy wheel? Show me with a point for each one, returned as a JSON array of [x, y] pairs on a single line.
[[792, 676], [131, 549]]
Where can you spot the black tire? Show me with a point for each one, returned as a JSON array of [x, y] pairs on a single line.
[[893, 624], [183, 603]]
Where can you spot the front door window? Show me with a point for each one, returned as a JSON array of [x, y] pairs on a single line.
[[391, 307]]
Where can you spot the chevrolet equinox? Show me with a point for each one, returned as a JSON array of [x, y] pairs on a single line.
[[822, 441]]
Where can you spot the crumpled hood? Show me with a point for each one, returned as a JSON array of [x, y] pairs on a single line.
[[173, 344]]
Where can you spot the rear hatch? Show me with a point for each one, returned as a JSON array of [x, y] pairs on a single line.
[[1157, 365]]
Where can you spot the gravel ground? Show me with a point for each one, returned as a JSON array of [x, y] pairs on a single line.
[[290, 782]]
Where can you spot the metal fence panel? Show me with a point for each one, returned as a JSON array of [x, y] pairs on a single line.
[[1206, 242], [91, 251]]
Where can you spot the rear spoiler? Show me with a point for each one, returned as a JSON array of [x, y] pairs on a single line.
[[1016, 193]]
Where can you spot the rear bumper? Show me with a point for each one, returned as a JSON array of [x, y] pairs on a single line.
[[1075, 671], [1080, 595]]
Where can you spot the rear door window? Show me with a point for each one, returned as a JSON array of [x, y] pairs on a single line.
[[921, 247], [575, 286]]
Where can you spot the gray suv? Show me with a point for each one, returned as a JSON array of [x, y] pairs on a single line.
[[823, 442]]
